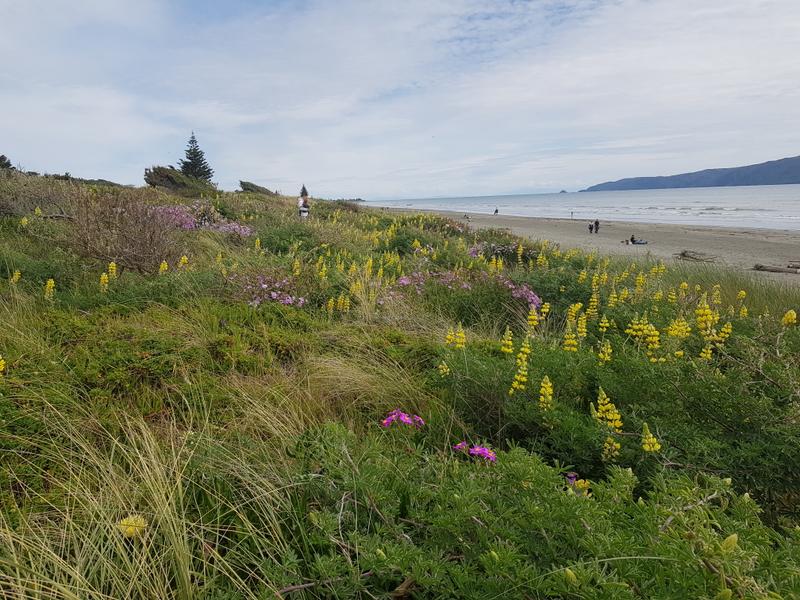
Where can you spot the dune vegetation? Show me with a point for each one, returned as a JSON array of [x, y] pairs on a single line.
[[215, 399]]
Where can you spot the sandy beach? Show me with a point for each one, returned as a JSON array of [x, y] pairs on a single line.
[[735, 247]]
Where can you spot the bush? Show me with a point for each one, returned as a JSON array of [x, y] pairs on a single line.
[[178, 183], [252, 188], [124, 226], [21, 193]]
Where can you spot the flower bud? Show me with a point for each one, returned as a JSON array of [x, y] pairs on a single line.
[[729, 543]]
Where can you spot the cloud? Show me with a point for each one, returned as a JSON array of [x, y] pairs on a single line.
[[383, 99]]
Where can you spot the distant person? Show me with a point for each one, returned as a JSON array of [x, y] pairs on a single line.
[[637, 242], [302, 203], [591, 228], [596, 226], [495, 210], [572, 214]]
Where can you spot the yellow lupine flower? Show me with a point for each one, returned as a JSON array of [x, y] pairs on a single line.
[[103, 283], [604, 324], [37, 211], [2, 366], [607, 413], [605, 351], [330, 305], [444, 370], [581, 327], [743, 312], [741, 295], [524, 352], [610, 449], [258, 244], [163, 267], [23, 222], [649, 441], [790, 318], [679, 328], [112, 270], [507, 343], [460, 340], [533, 318], [15, 277], [520, 379], [544, 310], [546, 394], [570, 342], [183, 262], [132, 526], [49, 289], [705, 353]]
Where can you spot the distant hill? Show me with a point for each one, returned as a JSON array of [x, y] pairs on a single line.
[[774, 172]]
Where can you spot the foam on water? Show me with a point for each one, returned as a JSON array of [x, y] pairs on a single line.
[[768, 206]]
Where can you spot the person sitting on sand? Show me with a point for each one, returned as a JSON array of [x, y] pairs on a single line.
[[633, 239], [302, 203]]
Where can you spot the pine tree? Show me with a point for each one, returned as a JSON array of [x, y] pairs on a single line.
[[304, 191], [195, 164], [4, 162]]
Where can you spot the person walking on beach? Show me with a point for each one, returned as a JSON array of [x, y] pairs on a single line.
[[302, 203], [591, 228], [495, 210], [596, 226]]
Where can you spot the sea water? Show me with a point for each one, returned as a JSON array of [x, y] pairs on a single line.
[[763, 206]]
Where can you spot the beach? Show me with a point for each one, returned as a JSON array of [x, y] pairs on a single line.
[[739, 247]]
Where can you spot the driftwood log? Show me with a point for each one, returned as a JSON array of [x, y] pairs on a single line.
[[794, 264], [695, 256], [772, 269]]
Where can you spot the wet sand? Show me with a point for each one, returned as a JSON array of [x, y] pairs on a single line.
[[739, 247]]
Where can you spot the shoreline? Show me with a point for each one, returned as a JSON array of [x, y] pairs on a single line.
[[736, 247]]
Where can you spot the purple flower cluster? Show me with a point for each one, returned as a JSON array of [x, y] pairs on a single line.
[[479, 451], [523, 292], [449, 279], [199, 216], [271, 289], [458, 280], [179, 216], [397, 416]]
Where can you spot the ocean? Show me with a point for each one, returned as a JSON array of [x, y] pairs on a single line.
[[763, 206]]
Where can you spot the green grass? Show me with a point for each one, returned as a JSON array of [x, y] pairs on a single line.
[[247, 434]]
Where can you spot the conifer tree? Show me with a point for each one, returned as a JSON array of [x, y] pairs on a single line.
[[4, 162], [195, 164], [304, 191]]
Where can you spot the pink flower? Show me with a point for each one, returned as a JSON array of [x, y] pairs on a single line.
[[397, 416]]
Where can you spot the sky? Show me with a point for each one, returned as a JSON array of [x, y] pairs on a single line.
[[385, 99]]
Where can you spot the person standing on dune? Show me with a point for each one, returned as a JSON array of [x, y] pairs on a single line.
[[302, 203]]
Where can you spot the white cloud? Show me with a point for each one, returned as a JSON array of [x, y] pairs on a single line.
[[403, 99]]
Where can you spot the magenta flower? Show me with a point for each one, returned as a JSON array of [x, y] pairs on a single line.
[[483, 452], [478, 451], [397, 416]]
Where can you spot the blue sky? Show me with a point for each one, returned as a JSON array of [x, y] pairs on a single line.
[[400, 99]]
